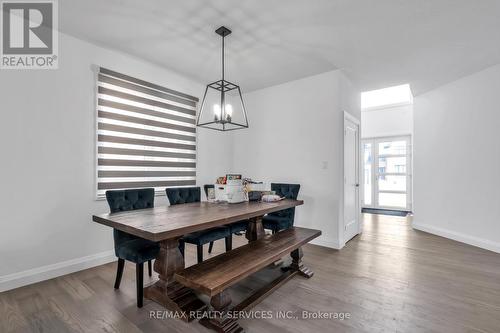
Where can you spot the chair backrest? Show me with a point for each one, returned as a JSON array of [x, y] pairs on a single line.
[[124, 200], [289, 191], [206, 187], [182, 195]]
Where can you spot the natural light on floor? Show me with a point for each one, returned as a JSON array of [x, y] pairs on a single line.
[[396, 95]]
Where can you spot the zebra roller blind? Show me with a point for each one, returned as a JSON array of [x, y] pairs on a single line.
[[146, 134]]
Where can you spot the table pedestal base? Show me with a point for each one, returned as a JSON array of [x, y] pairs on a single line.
[[169, 293], [177, 298]]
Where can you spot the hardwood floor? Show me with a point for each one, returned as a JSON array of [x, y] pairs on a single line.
[[389, 279]]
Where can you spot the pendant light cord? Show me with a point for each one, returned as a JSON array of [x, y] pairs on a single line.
[[223, 57], [222, 97]]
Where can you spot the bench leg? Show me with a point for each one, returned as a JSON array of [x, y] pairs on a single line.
[[255, 230], [220, 322], [297, 264], [166, 291]]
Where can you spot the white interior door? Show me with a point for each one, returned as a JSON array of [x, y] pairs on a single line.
[[351, 179]]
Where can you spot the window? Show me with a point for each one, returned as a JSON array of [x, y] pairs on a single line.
[[390, 186], [392, 96], [146, 135]]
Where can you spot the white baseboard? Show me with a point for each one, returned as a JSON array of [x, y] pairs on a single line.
[[326, 243], [42, 273], [459, 237]]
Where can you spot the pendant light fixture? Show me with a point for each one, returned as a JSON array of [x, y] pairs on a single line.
[[222, 107]]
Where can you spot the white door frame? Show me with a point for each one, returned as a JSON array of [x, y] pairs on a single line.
[[350, 117]]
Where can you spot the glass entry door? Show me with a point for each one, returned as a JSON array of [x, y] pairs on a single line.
[[387, 173]]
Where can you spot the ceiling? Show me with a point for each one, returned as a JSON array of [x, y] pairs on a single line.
[[378, 43]]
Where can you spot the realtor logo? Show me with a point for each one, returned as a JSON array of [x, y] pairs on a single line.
[[29, 35]]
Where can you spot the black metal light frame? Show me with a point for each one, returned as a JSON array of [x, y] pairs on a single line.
[[223, 86]]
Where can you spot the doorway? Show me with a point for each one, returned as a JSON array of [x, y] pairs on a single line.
[[351, 226], [387, 173]]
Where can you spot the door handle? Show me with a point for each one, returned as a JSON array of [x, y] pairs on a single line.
[[357, 185]]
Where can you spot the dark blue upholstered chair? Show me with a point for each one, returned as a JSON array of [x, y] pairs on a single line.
[[130, 247], [183, 195], [206, 187], [236, 228], [282, 219]]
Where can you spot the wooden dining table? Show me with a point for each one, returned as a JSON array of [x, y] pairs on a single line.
[[167, 224]]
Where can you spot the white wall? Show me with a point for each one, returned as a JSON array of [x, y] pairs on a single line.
[[391, 121], [48, 163], [295, 129], [457, 160]]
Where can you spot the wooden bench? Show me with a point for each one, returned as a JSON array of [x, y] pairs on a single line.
[[213, 276]]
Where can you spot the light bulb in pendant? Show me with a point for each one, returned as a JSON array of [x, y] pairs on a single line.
[[217, 112], [229, 112]]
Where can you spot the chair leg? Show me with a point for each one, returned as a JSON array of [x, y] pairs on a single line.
[[150, 268], [199, 250], [139, 276], [274, 231], [119, 272], [210, 246], [182, 247], [229, 242]]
